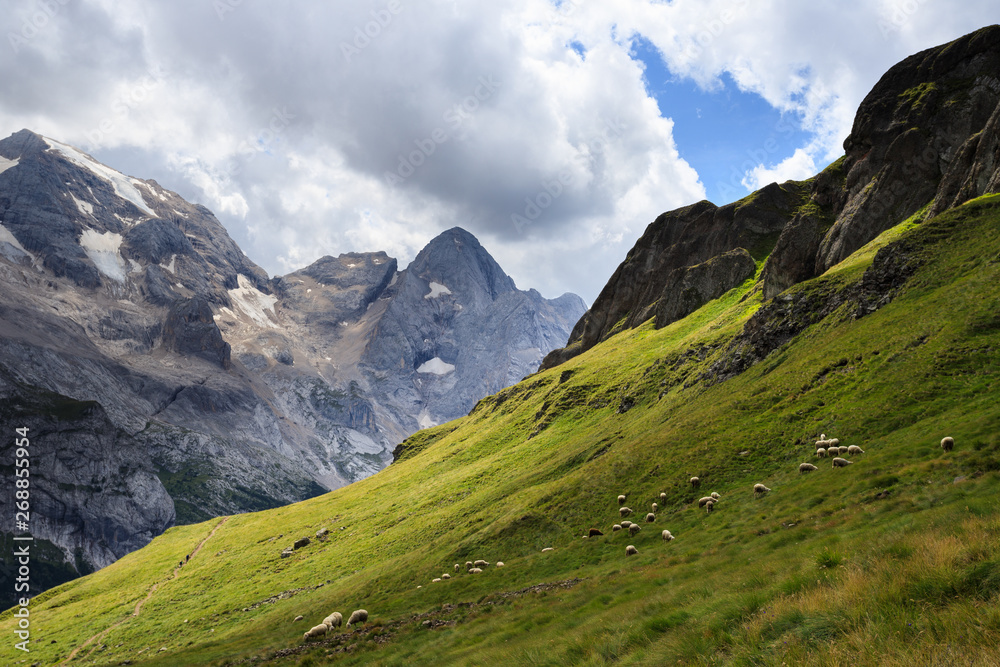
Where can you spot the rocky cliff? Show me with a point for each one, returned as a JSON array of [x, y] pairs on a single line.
[[167, 378], [925, 139]]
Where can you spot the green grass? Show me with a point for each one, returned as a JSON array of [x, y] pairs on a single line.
[[894, 560]]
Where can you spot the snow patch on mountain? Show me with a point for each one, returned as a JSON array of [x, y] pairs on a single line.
[[84, 207], [6, 164], [10, 246], [123, 185], [102, 249], [436, 366], [437, 289], [254, 303]]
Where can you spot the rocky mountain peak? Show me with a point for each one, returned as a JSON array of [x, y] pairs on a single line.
[[455, 256]]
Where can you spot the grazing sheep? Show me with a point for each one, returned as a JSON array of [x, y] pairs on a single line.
[[655, 507], [615, 528], [624, 511], [480, 563], [667, 536], [841, 463], [475, 570], [695, 482], [631, 550], [947, 444], [357, 616], [663, 497], [334, 620], [854, 450], [760, 489], [499, 563], [468, 565], [650, 518], [446, 576], [456, 567], [547, 549], [822, 442], [715, 496], [835, 441], [634, 528], [822, 436], [594, 532], [821, 453], [316, 631], [706, 499], [807, 467], [434, 581], [709, 506], [621, 500], [298, 618], [626, 524]]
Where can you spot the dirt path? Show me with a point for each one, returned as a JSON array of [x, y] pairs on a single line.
[[138, 605]]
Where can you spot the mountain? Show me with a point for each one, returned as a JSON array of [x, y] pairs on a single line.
[[924, 140], [165, 378], [891, 559]]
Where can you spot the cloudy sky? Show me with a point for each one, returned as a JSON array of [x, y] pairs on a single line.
[[553, 131]]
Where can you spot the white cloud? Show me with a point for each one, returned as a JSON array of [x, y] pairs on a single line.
[[798, 166]]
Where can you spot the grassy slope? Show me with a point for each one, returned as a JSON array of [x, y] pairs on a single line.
[[893, 560]]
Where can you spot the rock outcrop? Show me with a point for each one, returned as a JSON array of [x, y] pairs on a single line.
[[925, 139]]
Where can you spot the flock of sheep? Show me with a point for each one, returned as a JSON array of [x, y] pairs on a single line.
[[333, 621]]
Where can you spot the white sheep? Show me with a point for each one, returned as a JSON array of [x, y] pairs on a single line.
[[456, 567], [704, 500], [624, 511], [715, 496], [821, 453], [475, 570], [835, 451], [841, 463], [615, 528], [695, 482], [822, 442], [548, 549], [947, 444], [760, 489], [434, 581], [626, 524], [663, 497], [468, 565], [807, 467], [334, 620], [835, 441], [822, 436], [655, 507], [357, 616], [709, 506], [854, 450], [667, 536], [499, 563], [446, 576], [621, 500], [316, 631], [631, 550], [633, 529], [480, 563], [650, 518]]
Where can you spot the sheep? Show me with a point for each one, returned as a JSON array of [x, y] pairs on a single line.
[[468, 565], [854, 450], [807, 467], [334, 620], [316, 631], [706, 499], [655, 507], [499, 563], [715, 496], [624, 511], [633, 529], [631, 550], [822, 442], [480, 563], [760, 489], [446, 576], [841, 463], [667, 536], [626, 524], [821, 453], [434, 581], [709, 506], [835, 441], [357, 616], [947, 444], [547, 549], [650, 518], [822, 436], [298, 618], [615, 528], [621, 500], [663, 497], [695, 482], [475, 570], [594, 532], [456, 567]]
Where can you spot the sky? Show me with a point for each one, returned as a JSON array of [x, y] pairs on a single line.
[[553, 131]]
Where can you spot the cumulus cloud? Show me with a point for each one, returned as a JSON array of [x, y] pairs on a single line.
[[318, 128]]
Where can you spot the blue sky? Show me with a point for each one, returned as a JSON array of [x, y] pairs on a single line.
[[722, 132]]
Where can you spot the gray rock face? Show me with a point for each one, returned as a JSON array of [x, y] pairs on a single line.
[[689, 288], [210, 388]]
